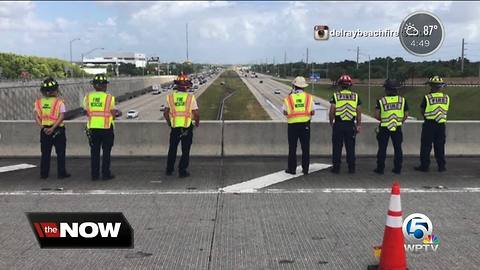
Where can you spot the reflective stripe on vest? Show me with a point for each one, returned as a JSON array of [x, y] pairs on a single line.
[[48, 109], [101, 117], [180, 113], [346, 103], [437, 107], [392, 111], [298, 107]]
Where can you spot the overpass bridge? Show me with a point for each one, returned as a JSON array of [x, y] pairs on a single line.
[[218, 219]]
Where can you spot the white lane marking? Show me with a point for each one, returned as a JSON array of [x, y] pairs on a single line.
[[376, 190], [16, 167], [270, 179], [106, 192], [201, 192], [274, 107]]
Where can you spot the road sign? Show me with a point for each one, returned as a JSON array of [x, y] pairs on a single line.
[[315, 77]]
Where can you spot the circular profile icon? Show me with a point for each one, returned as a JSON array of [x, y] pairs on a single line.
[[417, 227], [421, 33]]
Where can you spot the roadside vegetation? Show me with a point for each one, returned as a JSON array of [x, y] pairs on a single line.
[[396, 68], [242, 105], [463, 106], [15, 66]]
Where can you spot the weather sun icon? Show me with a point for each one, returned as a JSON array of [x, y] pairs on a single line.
[[410, 29]]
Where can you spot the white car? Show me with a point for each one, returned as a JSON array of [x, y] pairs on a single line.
[[156, 92], [277, 92], [132, 114], [162, 107]]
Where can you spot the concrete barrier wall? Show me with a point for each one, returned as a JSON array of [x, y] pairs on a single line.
[[16, 102], [270, 138], [132, 138], [241, 138]]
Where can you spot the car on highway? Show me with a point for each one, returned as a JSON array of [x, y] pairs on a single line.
[[132, 114], [195, 86], [260, 81], [162, 107], [277, 92], [156, 92], [317, 103]]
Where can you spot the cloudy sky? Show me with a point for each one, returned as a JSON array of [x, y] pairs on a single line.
[[227, 32]]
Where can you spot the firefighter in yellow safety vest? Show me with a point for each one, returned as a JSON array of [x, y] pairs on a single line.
[[435, 109], [49, 115], [100, 109], [298, 107], [391, 111], [180, 109], [345, 118]]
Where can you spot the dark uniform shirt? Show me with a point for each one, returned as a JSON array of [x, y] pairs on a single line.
[[423, 105], [337, 118]]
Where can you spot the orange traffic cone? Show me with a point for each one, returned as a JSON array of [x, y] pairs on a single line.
[[392, 255]]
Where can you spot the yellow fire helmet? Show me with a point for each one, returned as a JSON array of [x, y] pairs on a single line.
[[437, 81]]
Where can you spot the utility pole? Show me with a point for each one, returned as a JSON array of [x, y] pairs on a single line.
[[306, 62], [358, 53], [387, 67], [285, 63], [186, 37], [463, 53]]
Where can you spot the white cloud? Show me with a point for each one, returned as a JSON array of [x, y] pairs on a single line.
[[229, 31]]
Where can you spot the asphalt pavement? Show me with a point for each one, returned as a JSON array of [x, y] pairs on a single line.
[[319, 221], [273, 102]]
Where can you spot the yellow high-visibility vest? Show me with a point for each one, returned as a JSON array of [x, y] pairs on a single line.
[[392, 111], [180, 109], [437, 107], [98, 106], [346, 103], [298, 107], [48, 109]]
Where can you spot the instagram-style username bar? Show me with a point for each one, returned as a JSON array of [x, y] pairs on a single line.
[[323, 32]]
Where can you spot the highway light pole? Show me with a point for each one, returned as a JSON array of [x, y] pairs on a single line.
[[369, 75], [71, 41], [369, 83]]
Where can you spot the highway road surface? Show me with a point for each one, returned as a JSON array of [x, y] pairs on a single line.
[[148, 105], [273, 103], [319, 221]]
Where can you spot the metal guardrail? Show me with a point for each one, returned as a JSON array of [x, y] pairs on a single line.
[[222, 152]]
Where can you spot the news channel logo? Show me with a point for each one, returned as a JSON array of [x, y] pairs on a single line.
[[418, 232], [321, 32]]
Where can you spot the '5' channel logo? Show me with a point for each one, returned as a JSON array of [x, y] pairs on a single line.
[[417, 227]]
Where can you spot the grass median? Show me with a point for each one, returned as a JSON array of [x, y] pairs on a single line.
[[463, 100], [242, 105]]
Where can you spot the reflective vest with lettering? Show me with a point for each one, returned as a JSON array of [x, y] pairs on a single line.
[[48, 109], [180, 109], [98, 106], [298, 107], [437, 107], [392, 111], [346, 103]]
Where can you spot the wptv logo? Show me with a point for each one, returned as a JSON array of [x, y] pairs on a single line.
[[418, 231], [81, 230]]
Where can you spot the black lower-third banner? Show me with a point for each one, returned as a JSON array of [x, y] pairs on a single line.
[[81, 230]]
